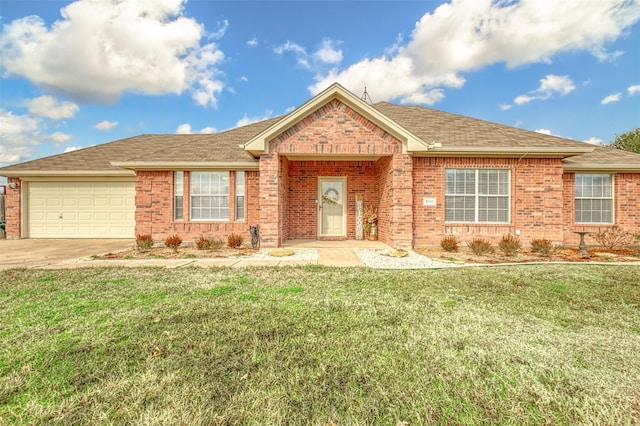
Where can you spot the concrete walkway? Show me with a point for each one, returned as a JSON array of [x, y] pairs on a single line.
[[72, 253]]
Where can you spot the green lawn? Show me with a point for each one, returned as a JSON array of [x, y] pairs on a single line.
[[555, 344]]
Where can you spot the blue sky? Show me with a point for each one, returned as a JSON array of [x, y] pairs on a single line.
[[76, 74]]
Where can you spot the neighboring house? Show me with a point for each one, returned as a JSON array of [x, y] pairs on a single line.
[[428, 173]]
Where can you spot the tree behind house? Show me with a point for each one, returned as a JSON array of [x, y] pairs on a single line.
[[629, 141]]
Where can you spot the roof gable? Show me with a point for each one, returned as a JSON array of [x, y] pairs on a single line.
[[259, 144]]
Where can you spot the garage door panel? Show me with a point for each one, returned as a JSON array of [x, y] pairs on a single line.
[[81, 210]]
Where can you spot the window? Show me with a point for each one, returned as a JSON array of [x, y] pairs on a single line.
[[239, 195], [480, 196], [209, 195], [178, 187], [594, 198]]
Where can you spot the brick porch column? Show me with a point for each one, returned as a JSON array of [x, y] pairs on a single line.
[[269, 200], [401, 214]]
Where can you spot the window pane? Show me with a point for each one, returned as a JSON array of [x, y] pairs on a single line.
[[178, 187], [460, 181], [239, 195], [594, 198], [209, 195], [489, 204]]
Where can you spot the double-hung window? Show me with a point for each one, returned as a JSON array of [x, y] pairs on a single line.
[[477, 196], [239, 195], [209, 193], [178, 188], [594, 198]]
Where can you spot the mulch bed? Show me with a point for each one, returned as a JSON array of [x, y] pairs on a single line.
[[182, 253], [464, 255], [595, 254]]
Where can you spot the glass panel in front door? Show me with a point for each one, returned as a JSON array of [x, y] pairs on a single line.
[[332, 213]]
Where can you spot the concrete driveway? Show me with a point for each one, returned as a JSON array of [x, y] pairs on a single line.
[[42, 252]]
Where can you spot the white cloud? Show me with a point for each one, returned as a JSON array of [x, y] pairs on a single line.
[[49, 107], [72, 148], [18, 135], [550, 85], [59, 137], [466, 35], [185, 129], [248, 120], [328, 53], [290, 46], [594, 141], [523, 99], [505, 107], [253, 42], [544, 131], [244, 78], [106, 125], [428, 98], [102, 48], [632, 90], [299, 51], [611, 98]]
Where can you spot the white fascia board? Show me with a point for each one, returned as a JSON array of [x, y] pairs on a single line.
[[555, 152], [612, 168], [186, 165], [71, 173]]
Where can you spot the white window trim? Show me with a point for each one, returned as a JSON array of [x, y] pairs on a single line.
[[228, 172], [178, 191], [244, 196], [612, 198], [477, 197]]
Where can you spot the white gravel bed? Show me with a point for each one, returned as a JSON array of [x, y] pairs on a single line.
[[298, 254], [376, 260]]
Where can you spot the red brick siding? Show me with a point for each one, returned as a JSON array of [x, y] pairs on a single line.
[[269, 207], [302, 209], [536, 200], [287, 187], [154, 209], [626, 201], [335, 129], [284, 195], [13, 209]]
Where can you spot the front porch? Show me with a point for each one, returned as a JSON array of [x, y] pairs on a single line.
[[344, 244]]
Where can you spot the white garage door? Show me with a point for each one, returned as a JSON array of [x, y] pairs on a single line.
[[81, 210]]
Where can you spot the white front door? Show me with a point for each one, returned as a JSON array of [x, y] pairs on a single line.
[[332, 207]]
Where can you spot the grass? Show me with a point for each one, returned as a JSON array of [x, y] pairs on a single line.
[[553, 344]]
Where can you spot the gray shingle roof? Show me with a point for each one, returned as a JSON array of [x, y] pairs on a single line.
[[604, 158], [221, 147], [450, 130]]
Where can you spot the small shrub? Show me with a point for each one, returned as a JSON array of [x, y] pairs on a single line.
[[173, 242], [613, 237], [203, 243], [144, 242], [235, 241], [480, 246], [543, 246], [510, 245], [449, 243], [216, 244]]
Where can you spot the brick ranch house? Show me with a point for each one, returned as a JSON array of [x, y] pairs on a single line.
[[428, 173]]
